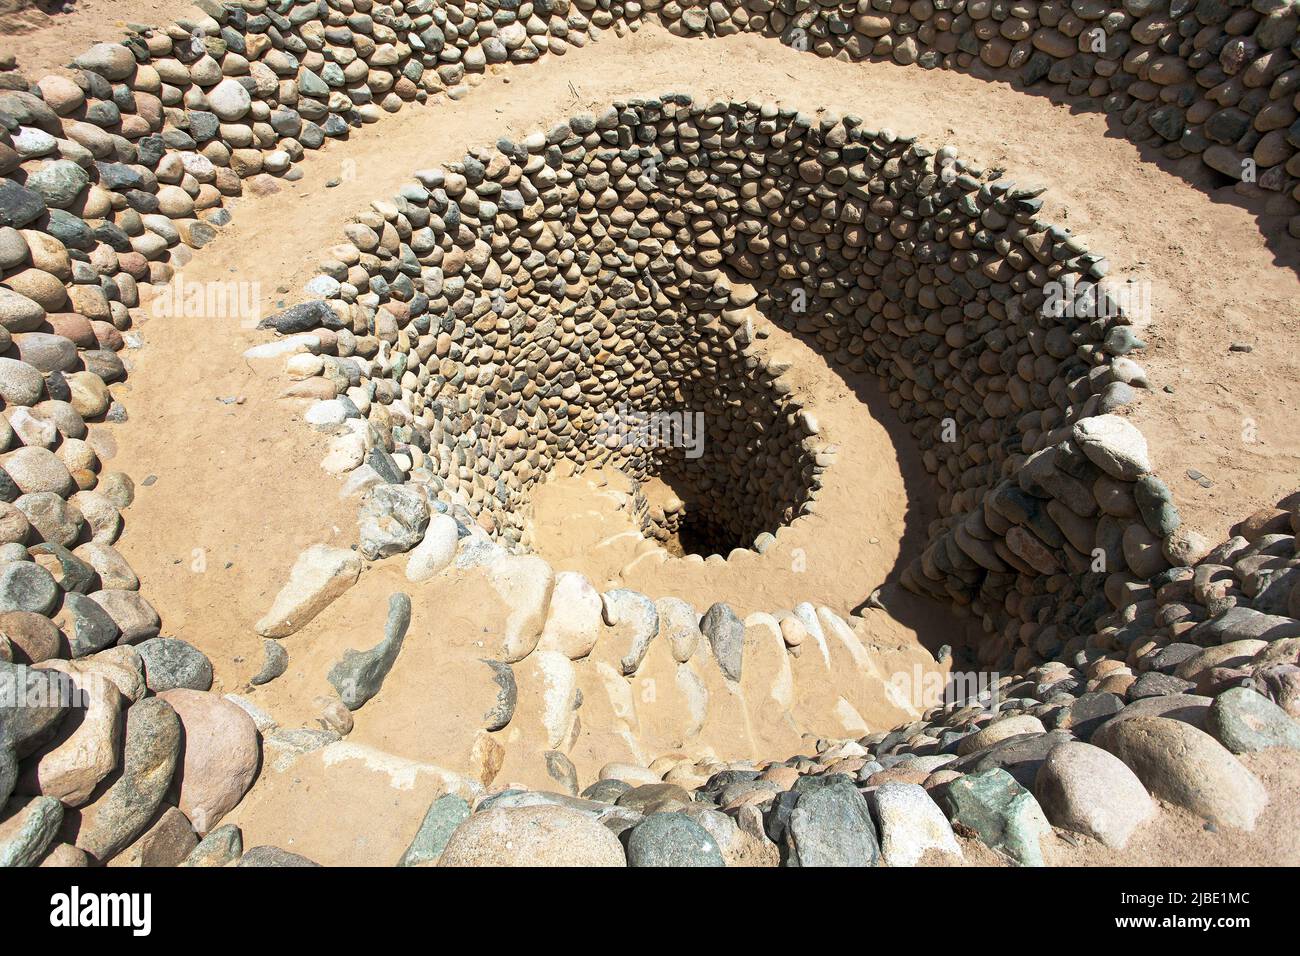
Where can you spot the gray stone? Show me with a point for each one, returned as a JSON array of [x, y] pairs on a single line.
[[223, 845], [671, 839], [273, 856], [1002, 813], [26, 835], [1244, 721], [392, 520], [274, 663], [170, 662], [444, 815], [831, 826], [360, 674], [726, 635], [503, 708], [150, 755], [89, 627]]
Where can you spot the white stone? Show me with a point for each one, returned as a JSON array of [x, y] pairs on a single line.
[[435, 551], [573, 621], [320, 575], [910, 824], [1114, 445]]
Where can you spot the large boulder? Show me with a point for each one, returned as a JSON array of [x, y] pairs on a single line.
[[1187, 767], [543, 835], [221, 755]]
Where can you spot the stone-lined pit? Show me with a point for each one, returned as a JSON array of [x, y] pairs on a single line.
[[522, 294]]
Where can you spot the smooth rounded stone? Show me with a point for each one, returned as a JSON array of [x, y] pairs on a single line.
[[20, 384], [1083, 715], [1189, 708], [221, 755], [392, 519], [1090, 791], [574, 618], [113, 61], [1002, 813], [78, 758], [26, 586], [606, 791], [28, 833], [1244, 624], [275, 661], [441, 820], [33, 637], [101, 515], [725, 633], [831, 826], [1153, 684], [1187, 767], [65, 856], [229, 100], [679, 625], [628, 773], [436, 549], [59, 183], [359, 675], [46, 351], [910, 824], [170, 663], [88, 626], [1233, 654], [223, 845], [319, 575], [1114, 445], [118, 488], [36, 469], [532, 836], [33, 703], [671, 839], [149, 756], [327, 414], [113, 571], [999, 730], [525, 583], [13, 248], [167, 842], [655, 798], [273, 856], [633, 623], [19, 314], [133, 615], [1245, 721]]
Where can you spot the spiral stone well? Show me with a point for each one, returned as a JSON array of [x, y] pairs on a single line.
[[494, 325]]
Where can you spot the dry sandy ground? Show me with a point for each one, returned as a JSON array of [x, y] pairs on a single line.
[[46, 35], [238, 491]]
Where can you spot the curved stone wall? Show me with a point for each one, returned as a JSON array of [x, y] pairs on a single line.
[[997, 343]]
